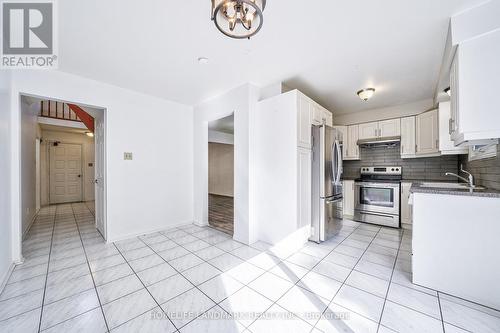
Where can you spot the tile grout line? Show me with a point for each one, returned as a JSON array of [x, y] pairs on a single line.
[[48, 266], [298, 280], [440, 311], [90, 270], [195, 286], [347, 277], [390, 281], [147, 290]]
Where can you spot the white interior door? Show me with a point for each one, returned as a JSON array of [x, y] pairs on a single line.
[[65, 173], [100, 214]]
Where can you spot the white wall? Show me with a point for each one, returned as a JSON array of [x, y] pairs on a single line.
[[275, 160], [155, 190], [88, 150], [30, 131], [5, 195], [242, 101], [221, 169], [220, 137], [397, 111]]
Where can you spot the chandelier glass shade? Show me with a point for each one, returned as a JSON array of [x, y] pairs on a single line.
[[238, 18]]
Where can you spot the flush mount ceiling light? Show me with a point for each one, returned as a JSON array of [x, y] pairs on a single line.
[[238, 18], [90, 134], [366, 94], [448, 91]]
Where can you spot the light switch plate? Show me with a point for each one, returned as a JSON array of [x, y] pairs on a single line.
[[127, 156]]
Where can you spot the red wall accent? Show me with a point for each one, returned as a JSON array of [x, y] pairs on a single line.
[[87, 119]]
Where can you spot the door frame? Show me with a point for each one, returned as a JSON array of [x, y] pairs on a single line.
[[82, 170], [16, 203], [206, 174]]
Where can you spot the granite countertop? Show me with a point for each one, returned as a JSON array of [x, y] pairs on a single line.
[[417, 188]]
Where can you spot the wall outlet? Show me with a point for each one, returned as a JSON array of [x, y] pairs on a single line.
[[127, 156]]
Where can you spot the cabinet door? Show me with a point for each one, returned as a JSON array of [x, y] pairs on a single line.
[[304, 186], [446, 145], [316, 114], [352, 148], [304, 121], [388, 128], [454, 106], [368, 130], [427, 133], [343, 136], [408, 137], [327, 117], [405, 207], [348, 198]]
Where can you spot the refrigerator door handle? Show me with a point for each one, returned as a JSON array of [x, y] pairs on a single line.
[[339, 162]]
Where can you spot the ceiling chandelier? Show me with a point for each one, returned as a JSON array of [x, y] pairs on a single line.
[[238, 18]]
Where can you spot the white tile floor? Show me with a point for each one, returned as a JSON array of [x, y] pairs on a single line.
[[193, 279]]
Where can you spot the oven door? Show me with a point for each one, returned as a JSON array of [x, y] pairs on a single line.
[[377, 197]]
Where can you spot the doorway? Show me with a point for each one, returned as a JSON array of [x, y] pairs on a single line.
[[65, 173], [221, 174], [70, 160]]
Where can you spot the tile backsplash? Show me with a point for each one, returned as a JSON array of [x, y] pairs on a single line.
[[486, 172], [425, 168]]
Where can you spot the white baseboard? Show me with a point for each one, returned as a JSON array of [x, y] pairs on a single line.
[[25, 232], [145, 232], [6, 277]]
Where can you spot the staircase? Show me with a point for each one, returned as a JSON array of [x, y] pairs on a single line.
[[57, 110], [66, 111]]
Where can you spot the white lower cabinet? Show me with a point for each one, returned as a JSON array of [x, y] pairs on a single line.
[[406, 213], [348, 202]]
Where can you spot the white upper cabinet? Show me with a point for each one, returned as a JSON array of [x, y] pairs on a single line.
[[380, 129], [388, 128], [474, 85], [343, 134], [305, 109], [427, 133], [327, 117], [408, 137], [316, 114], [446, 145], [368, 131], [351, 143]]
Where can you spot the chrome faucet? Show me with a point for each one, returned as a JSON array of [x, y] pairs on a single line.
[[469, 181]]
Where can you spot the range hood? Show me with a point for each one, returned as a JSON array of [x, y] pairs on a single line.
[[389, 141]]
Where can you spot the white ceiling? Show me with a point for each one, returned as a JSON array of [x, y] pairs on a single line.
[[327, 48]]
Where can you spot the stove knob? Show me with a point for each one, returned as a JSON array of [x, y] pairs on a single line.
[[392, 169]]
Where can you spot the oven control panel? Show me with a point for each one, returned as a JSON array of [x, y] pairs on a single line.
[[387, 170]]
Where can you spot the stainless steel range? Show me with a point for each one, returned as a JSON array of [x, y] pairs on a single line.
[[377, 196]]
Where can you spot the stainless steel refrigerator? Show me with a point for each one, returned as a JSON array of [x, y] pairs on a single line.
[[327, 196]]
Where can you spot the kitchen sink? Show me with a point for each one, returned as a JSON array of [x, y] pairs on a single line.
[[450, 186]]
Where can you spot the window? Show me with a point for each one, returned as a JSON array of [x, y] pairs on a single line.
[[479, 152]]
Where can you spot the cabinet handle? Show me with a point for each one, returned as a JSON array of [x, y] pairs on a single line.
[[375, 132], [450, 125], [437, 143]]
